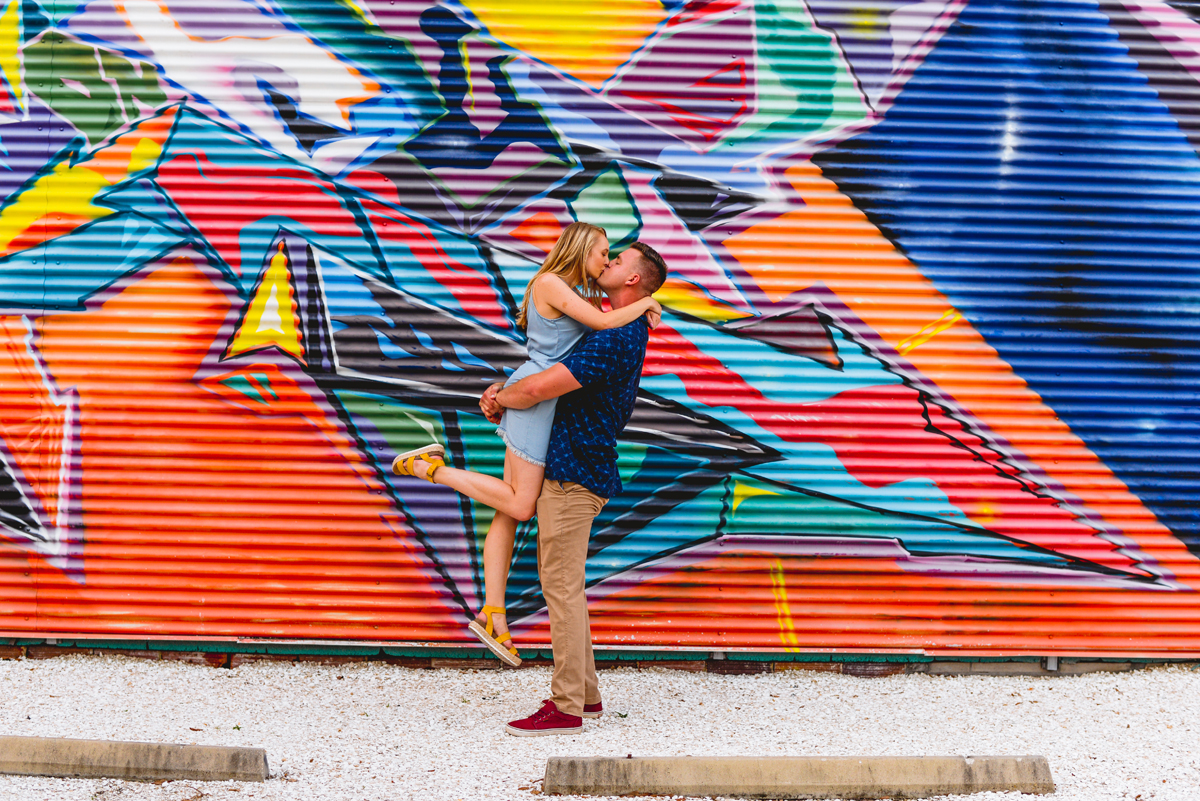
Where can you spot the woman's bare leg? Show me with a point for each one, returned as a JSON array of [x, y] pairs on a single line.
[[497, 558], [516, 497]]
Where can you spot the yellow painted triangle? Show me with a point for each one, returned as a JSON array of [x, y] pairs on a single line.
[[743, 491], [589, 39], [10, 50], [270, 319]]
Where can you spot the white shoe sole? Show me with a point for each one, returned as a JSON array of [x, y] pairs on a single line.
[[496, 648], [435, 448], [542, 733], [590, 715]]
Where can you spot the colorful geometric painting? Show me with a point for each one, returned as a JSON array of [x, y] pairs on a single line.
[[925, 379]]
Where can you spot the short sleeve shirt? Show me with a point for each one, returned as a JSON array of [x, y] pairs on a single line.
[[583, 442]]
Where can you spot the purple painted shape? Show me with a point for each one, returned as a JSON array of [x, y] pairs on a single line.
[[435, 515], [100, 22], [402, 18], [696, 83], [27, 146], [864, 34]]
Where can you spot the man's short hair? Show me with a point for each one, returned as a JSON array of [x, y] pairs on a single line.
[[650, 267]]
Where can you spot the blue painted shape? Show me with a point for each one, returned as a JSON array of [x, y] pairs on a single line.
[[389, 349], [62, 273], [142, 196], [782, 377], [1035, 177], [345, 293]]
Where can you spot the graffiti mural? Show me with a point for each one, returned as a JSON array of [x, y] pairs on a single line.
[[924, 382]]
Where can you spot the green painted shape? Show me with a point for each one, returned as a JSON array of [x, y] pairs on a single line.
[[607, 202], [402, 426], [115, 645], [99, 109], [630, 456], [239, 383], [787, 512], [803, 84], [342, 28], [59, 10], [206, 647]]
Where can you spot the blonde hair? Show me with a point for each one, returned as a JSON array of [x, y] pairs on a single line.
[[568, 260]]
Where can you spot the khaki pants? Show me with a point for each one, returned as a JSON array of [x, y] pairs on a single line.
[[565, 512]]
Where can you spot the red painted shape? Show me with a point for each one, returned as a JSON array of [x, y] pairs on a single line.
[[710, 90], [221, 200], [473, 289], [750, 598], [698, 9], [220, 514], [881, 436], [541, 230]]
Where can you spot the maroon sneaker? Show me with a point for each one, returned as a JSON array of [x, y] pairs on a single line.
[[547, 720], [589, 710]]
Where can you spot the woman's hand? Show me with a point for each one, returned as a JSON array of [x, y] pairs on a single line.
[[653, 312]]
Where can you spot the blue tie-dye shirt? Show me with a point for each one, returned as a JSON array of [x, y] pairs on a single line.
[[583, 442]]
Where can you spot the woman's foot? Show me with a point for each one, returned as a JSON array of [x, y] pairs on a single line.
[[421, 470], [499, 623], [491, 628], [420, 462]]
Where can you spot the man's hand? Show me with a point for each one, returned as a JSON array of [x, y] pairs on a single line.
[[488, 404]]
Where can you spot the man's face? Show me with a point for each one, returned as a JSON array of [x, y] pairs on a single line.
[[618, 271]]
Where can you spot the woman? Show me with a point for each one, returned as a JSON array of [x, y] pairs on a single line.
[[561, 304]]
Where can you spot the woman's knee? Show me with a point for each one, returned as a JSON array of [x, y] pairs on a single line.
[[525, 509]]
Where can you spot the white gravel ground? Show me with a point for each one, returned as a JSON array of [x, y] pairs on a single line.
[[372, 731]]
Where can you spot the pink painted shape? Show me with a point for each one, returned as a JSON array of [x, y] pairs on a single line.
[[686, 254], [1178, 33]]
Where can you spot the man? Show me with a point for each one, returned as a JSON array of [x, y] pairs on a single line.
[[597, 387]]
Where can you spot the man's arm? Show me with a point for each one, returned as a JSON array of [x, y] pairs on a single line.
[[552, 382]]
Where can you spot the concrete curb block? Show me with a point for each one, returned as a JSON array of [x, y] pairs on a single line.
[[104, 759], [797, 777]]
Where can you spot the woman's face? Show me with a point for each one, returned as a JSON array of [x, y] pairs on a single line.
[[597, 258]]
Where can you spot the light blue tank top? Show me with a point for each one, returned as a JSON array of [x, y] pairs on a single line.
[[549, 341], [527, 431]]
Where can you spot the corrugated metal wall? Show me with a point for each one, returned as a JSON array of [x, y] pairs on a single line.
[[926, 381]]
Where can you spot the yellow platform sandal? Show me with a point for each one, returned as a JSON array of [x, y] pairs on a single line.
[[434, 455], [507, 654]]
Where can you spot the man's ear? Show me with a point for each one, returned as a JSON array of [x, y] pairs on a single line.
[[634, 278]]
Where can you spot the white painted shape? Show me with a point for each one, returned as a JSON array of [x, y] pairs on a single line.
[[271, 321], [207, 68]]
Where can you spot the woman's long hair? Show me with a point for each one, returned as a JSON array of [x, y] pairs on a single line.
[[567, 260]]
